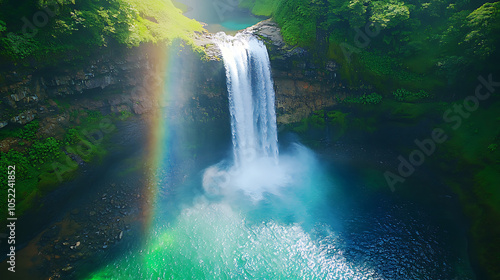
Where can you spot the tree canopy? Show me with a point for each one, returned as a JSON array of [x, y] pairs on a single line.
[[442, 38], [43, 27]]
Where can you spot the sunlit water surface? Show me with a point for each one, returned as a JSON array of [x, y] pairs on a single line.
[[261, 214], [307, 228]]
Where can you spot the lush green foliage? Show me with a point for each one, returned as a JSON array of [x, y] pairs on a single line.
[[24, 172], [393, 43], [14, 157], [93, 116], [36, 158], [483, 27], [71, 137], [298, 20], [28, 132], [44, 151], [40, 28]]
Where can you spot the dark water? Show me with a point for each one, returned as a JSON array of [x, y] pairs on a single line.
[[37, 239], [323, 225], [327, 223]]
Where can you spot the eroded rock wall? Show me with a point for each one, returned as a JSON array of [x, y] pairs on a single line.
[[130, 80], [302, 85]]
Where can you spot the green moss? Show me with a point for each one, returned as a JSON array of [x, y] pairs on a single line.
[[348, 64], [412, 112], [49, 179], [125, 115], [485, 229], [470, 141], [72, 136], [43, 151], [26, 132], [337, 118], [42, 163], [365, 99], [301, 127], [404, 95], [317, 119]]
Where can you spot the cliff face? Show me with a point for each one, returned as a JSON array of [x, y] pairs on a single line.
[[301, 85], [29, 95], [128, 80]]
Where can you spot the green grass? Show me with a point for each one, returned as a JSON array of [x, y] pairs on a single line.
[[159, 21], [79, 28]]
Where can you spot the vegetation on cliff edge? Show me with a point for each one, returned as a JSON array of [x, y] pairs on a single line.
[[393, 43], [39, 29]]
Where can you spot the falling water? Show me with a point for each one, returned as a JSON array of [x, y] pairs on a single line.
[[251, 97], [260, 219]]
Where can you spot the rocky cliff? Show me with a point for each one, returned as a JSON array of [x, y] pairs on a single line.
[[302, 86], [127, 81]]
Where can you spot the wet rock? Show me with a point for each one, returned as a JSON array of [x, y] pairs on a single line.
[[24, 117], [269, 31]]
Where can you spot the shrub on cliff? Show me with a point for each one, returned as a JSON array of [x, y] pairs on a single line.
[[41, 28], [462, 35], [372, 98]]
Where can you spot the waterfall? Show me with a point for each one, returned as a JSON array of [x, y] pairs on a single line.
[[251, 97]]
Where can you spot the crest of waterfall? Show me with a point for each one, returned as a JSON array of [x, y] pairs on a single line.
[[251, 97]]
